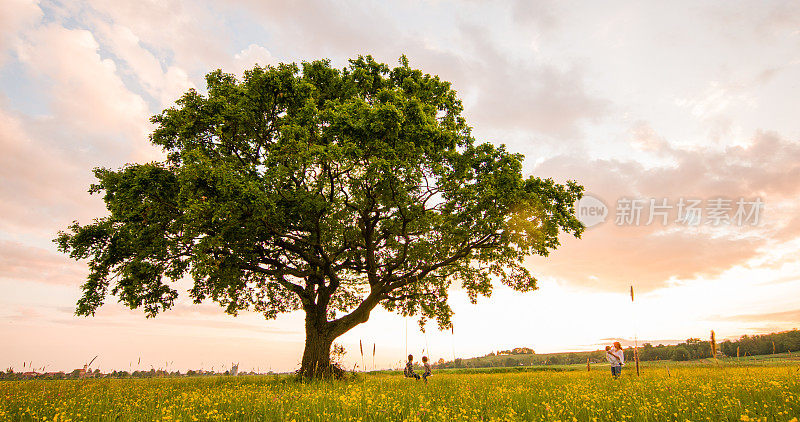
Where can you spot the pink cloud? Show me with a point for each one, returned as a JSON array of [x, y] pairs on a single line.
[[165, 85], [87, 93], [43, 189], [509, 94], [611, 256], [246, 59], [19, 262], [768, 21], [791, 316], [95, 121], [326, 27], [193, 35], [15, 16]]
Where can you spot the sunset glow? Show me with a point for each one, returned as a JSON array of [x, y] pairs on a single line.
[[650, 107]]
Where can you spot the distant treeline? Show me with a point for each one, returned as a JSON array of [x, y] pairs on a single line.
[[9, 374], [693, 348]]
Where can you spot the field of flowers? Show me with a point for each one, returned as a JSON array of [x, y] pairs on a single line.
[[697, 393]]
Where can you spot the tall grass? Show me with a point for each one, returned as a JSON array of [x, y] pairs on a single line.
[[721, 393]]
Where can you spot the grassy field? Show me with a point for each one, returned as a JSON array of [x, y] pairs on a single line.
[[697, 392]]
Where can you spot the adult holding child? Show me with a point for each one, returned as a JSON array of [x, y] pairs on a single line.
[[616, 356]]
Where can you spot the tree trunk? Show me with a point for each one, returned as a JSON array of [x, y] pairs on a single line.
[[320, 334], [317, 354]]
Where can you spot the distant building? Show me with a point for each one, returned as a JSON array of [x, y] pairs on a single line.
[[82, 372]]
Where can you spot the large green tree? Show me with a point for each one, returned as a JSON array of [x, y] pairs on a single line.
[[319, 189]]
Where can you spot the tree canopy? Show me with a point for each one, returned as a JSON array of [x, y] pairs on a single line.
[[319, 189]]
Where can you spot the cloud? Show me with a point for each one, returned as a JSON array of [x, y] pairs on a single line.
[[165, 85], [326, 28], [223, 325], [538, 76], [769, 21], [42, 189], [541, 99], [511, 92], [613, 256], [192, 35], [15, 16], [86, 91], [714, 100], [540, 14], [505, 91], [246, 59], [719, 104], [791, 316], [95, 121], [19, 262]]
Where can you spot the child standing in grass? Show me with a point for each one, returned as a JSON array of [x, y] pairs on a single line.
[[427, 372], [409, 371]]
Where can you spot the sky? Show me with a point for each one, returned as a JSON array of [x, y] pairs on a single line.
[[682, 111]]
